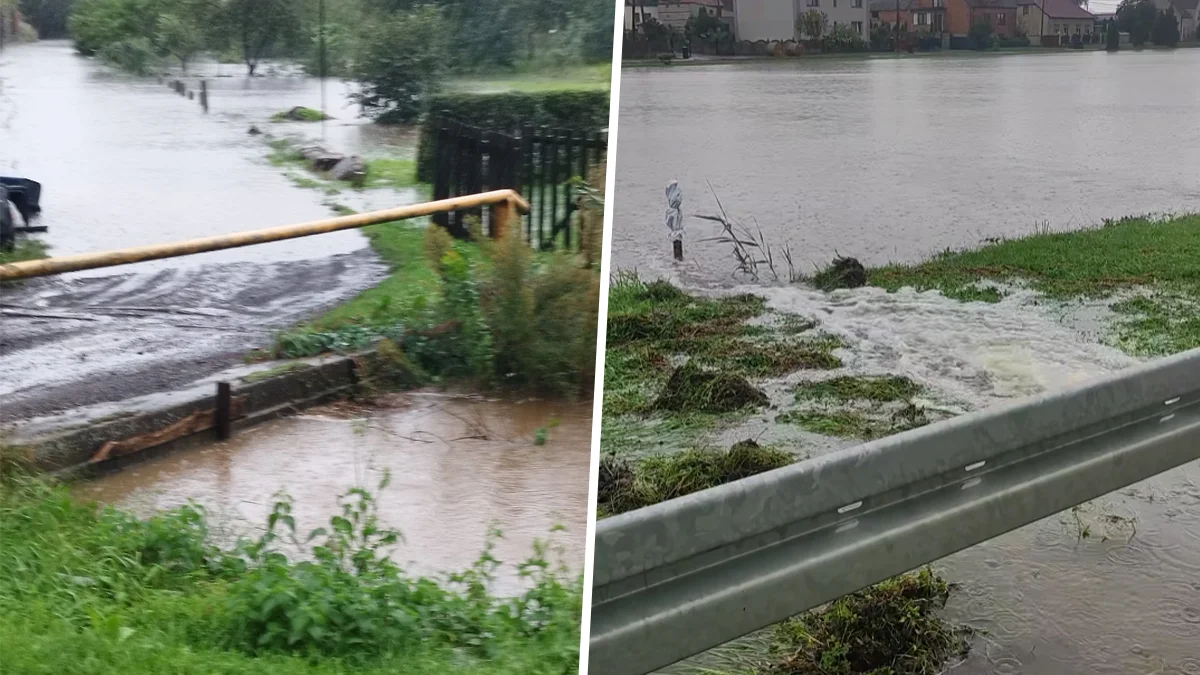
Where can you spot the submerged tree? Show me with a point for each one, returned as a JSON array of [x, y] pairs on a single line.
[[400, 63], [1112, 37], [1166, 28], [812, 24], [261, 26], [1137, 17]]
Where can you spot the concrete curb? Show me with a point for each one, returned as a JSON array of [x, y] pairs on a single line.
[[66, 445]]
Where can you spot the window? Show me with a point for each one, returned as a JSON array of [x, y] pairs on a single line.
[[856, 4], [939, 3], [922, 19], [835, 4], [1001, 19], [814, 3], [857, 26], [1025, 10]]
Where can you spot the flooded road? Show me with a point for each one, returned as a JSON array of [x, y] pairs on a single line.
[[936, 152], [459, 467], [125, 162]]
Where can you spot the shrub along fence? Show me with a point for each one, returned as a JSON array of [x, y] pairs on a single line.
[[540, 163]]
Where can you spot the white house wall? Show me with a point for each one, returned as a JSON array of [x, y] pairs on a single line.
[[841, 12], [764, 19]]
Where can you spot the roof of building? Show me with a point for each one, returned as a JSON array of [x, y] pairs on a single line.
[[1060, 9], [1186, 4]]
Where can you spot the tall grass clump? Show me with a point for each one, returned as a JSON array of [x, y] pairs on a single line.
[[93, 589]]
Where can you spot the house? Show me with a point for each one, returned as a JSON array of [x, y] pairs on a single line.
[[1053, 18], [1186, 11], [675, 13], [638, 11], [1001, 14], [776, 19], [926, 17]]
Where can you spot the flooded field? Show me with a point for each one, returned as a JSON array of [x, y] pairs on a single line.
[[459, 466], [828, 155]]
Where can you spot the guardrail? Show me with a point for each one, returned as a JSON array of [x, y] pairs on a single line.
[[683, 576], [503, 204]]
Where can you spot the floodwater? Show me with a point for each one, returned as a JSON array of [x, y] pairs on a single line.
[[891, 160], [459, 467], [124, 161]]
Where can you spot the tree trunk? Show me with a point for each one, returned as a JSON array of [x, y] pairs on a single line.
[[250, 66]]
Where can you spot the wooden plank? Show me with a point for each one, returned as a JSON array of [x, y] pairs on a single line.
[[199, 421]]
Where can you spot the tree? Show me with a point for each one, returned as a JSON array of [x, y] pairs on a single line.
[[1137, 17], [261, 26], [812, 24], [49, 17], [1166, 28], [180, 36], [1112, 36], [400, 63], [706, 27]]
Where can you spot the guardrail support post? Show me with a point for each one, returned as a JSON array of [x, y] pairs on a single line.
[[503, 215], [224, 411]]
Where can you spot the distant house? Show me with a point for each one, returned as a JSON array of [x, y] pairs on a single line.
[[1001, 14], [924, 17], [675, 13], [636, 12], [1186, 12], [1054, 18], [776, 19]]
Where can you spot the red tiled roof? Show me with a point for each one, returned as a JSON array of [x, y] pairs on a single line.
[[1059, 9]]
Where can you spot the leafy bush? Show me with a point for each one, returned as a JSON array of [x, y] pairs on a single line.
[[401, 61], [1012, 43], [585, 111], [981, 34], [134, 55]]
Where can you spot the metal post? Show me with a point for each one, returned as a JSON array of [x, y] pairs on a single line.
[[204, 95], [223, 415], [321, 59]]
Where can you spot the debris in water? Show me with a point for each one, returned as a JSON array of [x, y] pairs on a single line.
[[843, 273], [692, 389]]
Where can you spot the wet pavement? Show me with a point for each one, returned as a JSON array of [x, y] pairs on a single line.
[[460, 466], [124, 162]]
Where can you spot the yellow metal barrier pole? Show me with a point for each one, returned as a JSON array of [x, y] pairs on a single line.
[[504, 201]]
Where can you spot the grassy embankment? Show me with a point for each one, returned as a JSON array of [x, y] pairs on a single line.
[[93, 591], [659, 418]]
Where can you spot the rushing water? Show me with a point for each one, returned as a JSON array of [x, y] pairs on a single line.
[[894, 159], [459, 466]]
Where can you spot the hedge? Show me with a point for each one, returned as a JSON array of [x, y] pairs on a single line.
[[577, 110]]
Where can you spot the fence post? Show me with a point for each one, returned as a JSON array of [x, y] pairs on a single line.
[[224, 411], [502, 218], [204, 95]]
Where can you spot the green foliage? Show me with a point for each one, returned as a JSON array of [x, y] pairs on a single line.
[[49, 17], [25, 249], [260, 28], [1138, 18], [813, 24], [135, 55], [843, 38], [981, 34], [400, 62], [126, 29], [1112, 36], [95, 586], [1166, 28], [585, 111]]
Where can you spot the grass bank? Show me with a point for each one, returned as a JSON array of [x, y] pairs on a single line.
[[1145, 268], [593, 77], [91, 590], [679, 369]]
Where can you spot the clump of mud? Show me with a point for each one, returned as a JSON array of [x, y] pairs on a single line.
[[625, 485], [892, 627], [842, 273], [693, 389]]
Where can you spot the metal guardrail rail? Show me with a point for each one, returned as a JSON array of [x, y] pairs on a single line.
[[505, 204], [674, 579]]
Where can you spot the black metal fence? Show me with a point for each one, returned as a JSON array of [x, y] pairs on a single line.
[[540, 163]]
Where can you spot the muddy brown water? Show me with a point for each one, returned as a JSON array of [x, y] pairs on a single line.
[[123, 161], [459, 465]]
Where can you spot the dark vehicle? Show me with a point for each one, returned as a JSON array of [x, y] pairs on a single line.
[[20, 202]]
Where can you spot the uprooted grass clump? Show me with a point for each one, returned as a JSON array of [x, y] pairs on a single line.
[[844, 389], [626, 485], [891, 628], [652, 326], [1154, 259], [864, 425], [841, 273], [93, 589], [693, 389], [24, 249], [300, 114]]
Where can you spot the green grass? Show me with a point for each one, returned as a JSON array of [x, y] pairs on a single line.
[[275, 371], [1152, 258], [302, 115], [391, 172], [25, 249], [95, 591], [537, 79]]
